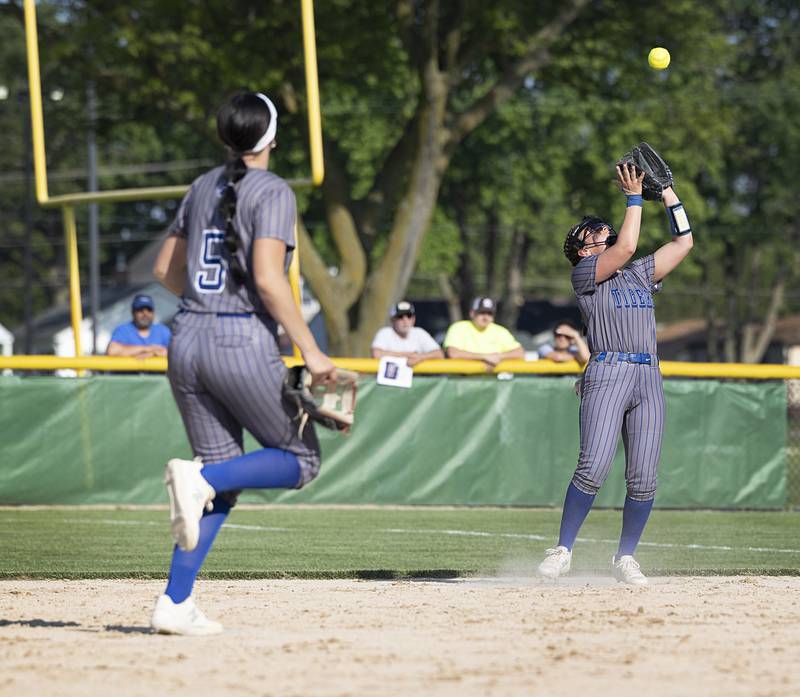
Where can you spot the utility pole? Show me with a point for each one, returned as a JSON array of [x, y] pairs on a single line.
[[27, 213], [94, 234]]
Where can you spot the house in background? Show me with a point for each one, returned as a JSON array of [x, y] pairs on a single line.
[[686, 341], [52, 329], [6, 345], [6, 342]]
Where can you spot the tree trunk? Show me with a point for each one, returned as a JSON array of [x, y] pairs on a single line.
[[414, 167], [491, 242], [514, 297], [451, 297], [710, 314], [388, 282], [759, 339], [730, 330], [466, 276]]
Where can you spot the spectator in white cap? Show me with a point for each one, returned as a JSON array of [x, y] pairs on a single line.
[[402, 338], [480, 338], [143, 337]]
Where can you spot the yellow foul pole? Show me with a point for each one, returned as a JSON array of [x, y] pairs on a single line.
[[35, 91], [294, 280], [312, 93], [71, 245]]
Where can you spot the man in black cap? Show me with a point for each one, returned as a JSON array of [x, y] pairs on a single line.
[[141, 338], [480, 338], [404, 339]]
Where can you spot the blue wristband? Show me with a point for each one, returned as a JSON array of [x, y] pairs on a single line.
[[634, 200]]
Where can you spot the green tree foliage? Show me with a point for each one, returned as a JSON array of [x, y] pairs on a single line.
[[461, 140]]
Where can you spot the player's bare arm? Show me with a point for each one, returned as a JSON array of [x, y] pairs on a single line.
[[615, 257], [673, 253], [170, 266], [273, 287]]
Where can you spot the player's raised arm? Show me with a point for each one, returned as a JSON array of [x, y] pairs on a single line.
[[618, 253], [673, 253]]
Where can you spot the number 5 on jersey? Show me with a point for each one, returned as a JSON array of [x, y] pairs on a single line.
[[211, 276]]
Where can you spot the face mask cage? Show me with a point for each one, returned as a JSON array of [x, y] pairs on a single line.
[[595, 225]]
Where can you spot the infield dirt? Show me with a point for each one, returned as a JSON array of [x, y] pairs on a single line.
[[490, 636]]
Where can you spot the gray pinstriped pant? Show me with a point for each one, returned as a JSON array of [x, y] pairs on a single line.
[[625, 398], [226, 374]]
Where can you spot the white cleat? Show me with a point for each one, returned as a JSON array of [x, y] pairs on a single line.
[[181, 618], [626, 570], [557, 562], [189, 494]]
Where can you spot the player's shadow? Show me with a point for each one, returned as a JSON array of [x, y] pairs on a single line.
[[59, 623], [38, 623], [122, 629], [413, 575]]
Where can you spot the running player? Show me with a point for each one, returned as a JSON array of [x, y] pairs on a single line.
[[621, 389], [226, 255]]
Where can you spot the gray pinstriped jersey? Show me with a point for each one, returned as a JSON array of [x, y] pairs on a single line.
[[618, 313], [265, 207], [622, 398]]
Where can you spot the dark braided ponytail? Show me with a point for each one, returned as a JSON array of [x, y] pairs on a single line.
[[235, 169], [241, 123]]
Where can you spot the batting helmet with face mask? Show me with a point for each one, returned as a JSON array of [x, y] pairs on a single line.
[[574, 242]]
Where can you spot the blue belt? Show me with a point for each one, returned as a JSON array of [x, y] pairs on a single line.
[[216, 314], [612, 357]]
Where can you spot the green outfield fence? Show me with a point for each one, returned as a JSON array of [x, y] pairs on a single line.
[[449, 440]]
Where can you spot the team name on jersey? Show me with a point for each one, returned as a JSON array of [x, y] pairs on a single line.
[[626, 297]]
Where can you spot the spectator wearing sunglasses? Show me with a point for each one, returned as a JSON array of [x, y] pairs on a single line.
[[142, 337], [402, 338], [480, 338], [568, 345]]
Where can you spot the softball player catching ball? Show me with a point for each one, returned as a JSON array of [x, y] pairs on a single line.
[[621, 389], [226, 255]]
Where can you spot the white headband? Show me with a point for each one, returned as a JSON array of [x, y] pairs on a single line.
[[272, 129]]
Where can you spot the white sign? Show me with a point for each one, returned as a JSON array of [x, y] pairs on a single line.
[[394, 371]]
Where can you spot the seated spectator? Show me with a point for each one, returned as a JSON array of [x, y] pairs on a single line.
[[480, 338], [568, 345], [141, 338], [402, 338]]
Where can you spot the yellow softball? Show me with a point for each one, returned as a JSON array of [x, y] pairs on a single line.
[[658, 58]]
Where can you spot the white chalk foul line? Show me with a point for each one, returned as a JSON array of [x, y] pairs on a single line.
[[473, 533], [542, 538], [109, 521]]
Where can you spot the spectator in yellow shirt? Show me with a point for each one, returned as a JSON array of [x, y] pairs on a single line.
[[480, 338]]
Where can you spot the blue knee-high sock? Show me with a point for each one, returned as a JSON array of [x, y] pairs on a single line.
[[577, 505], [269, 468], [634, 518], [186, 565]]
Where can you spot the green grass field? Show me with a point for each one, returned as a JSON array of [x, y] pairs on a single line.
[[316, 542]]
